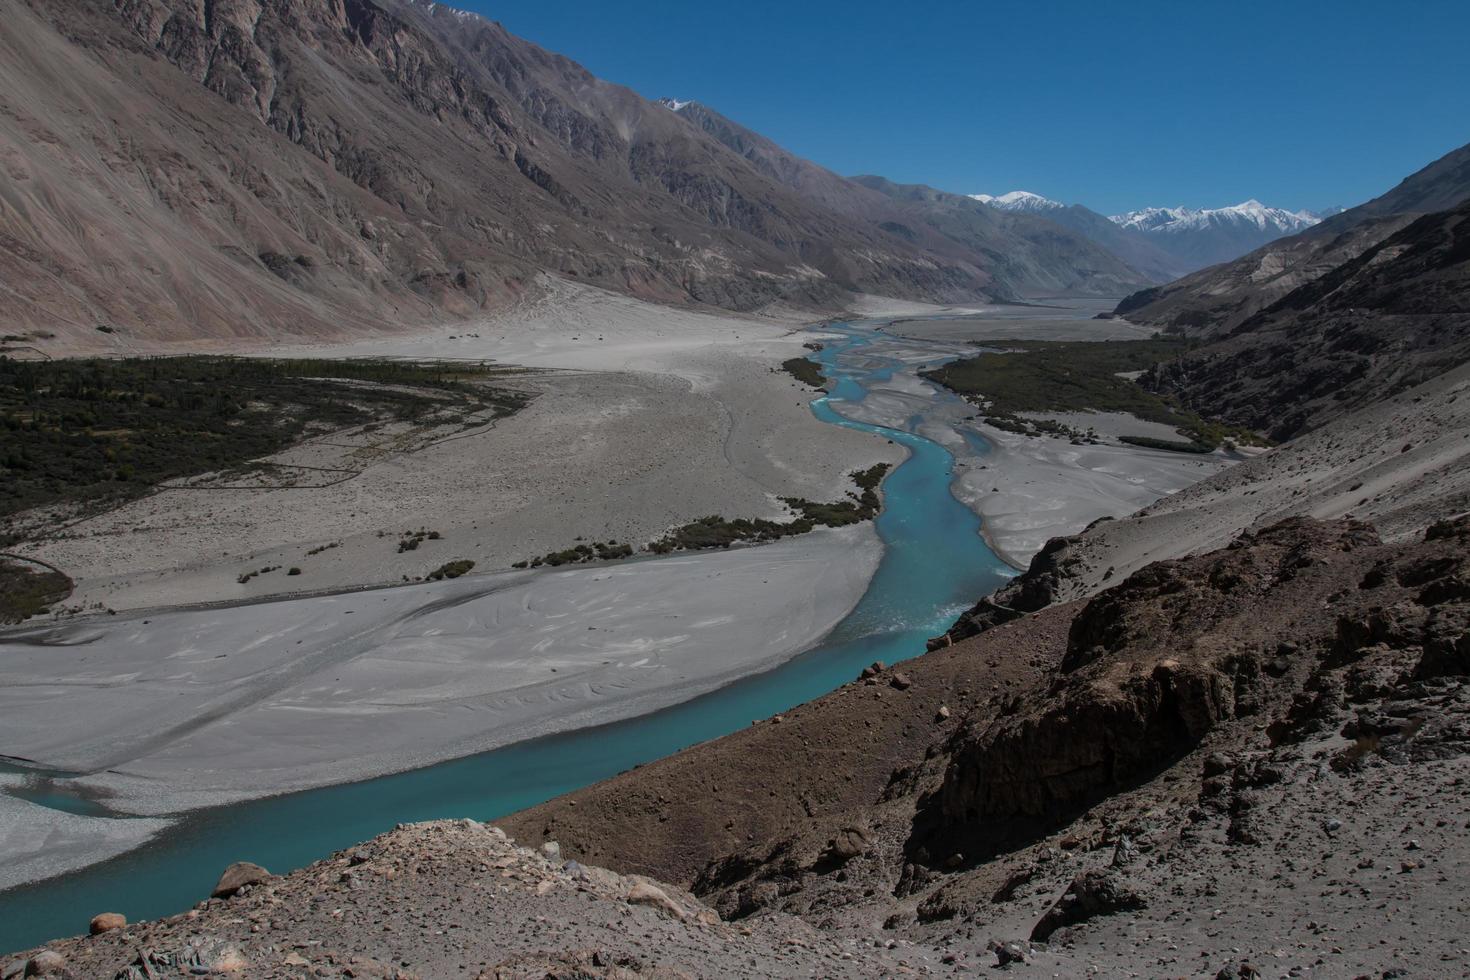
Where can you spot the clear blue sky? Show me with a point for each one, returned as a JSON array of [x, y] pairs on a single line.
[[1112, 104]]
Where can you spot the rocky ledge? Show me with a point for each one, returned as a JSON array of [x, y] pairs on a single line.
[[447, 899]]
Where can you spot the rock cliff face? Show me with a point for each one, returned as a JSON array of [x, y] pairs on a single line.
[[1151, 667], [187, 170]]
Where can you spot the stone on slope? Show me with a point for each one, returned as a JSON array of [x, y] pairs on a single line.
[[644, 893], [236, 877], [1092, 893], [106, 922]]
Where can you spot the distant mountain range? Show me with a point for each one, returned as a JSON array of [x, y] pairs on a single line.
[[1183, 239]]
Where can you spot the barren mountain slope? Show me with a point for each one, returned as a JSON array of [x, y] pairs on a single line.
[[453, 899], [240, 169], [1127, 244], [1215, 301]]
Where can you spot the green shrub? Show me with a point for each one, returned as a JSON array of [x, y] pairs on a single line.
[[451, 569], [805, 371]]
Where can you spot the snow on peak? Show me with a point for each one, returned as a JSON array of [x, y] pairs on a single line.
[[1247, 213], [432, 8], [674, 104], [1018, 201]]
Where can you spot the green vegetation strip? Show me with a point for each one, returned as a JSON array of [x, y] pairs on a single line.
[[720, 532], [28, 590], [451, 569], [100, 431], [597, 551], [1079, 376]]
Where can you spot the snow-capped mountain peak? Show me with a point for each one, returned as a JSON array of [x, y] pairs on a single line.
[[674, 105], [1246, 214], [1018, 201]]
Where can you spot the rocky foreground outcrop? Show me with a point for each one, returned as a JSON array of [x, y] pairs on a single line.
[[1252, 759], [450, 899]]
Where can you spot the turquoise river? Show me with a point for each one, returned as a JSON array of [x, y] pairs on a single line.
[[935, 564]]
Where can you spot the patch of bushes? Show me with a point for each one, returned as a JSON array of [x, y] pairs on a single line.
[[715, 531], [451, 569], [1173, 446], [1075, 376], [597, 551], [411, 540], [805, 371], [100, 431], [718, 532], [247, 576], [27, 590]]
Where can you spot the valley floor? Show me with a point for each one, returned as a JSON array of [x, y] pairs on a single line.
[[211, 684]]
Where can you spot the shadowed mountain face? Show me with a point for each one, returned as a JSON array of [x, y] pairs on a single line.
[[1215, 301], [239, 168], [1396, 315]]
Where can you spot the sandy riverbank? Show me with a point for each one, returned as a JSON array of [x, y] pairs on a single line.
[[1400, 464], [180, 709], [1027, 489], [38, 842]]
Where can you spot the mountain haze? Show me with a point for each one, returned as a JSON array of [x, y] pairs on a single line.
[[1024, 247], [1165, 243], [1027, 255]]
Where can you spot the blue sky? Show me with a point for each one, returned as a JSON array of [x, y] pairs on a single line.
[[1114, 105]]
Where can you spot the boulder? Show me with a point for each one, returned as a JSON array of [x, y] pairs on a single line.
[[46, 963], [1092, 893], [237, 876], [848, 843], [106, 922], [646, 893]]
